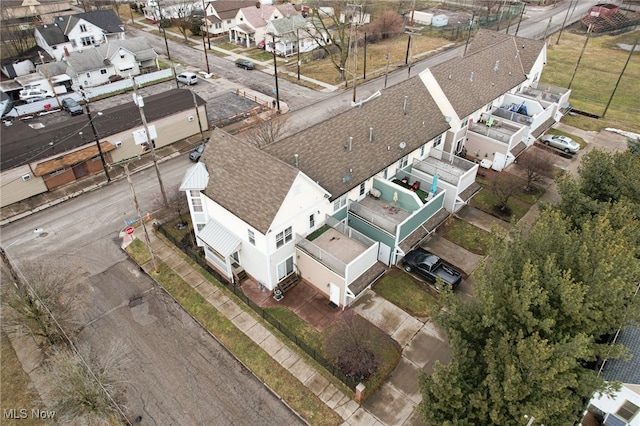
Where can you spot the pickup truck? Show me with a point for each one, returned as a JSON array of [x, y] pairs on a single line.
[[431, 267]]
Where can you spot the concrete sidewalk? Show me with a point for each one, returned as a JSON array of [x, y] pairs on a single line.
[[344, 405]]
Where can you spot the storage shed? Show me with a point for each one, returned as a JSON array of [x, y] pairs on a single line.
[[439, 21]]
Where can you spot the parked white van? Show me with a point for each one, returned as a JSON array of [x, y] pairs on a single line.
[[188, 78]]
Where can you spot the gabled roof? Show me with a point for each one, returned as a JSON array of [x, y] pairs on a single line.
[[246, 181], [57, 32], [288, 24], [138, 46], [86, 60], [196, 178], [493, 65], [20, 144], [227, 9], [257, 16], [323, 149]]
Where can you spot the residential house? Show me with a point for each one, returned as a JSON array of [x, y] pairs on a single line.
[[19, 17], [220, 15], [38, 157], [621, 408], [155, 10], [292, 32], [493, 99], [100, 65], [251, 22], [76, 32], [332, 204]]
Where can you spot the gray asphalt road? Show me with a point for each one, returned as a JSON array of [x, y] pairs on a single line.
[[174, 373]]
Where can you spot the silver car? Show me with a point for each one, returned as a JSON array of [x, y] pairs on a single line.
[[561, 142]]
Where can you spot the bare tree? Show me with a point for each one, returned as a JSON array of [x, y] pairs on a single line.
[[504, 187], [269, 131], [332, 35], [388, 25], [184, 11], [87, 388], [351, 344], [41, 303], [537, 165]]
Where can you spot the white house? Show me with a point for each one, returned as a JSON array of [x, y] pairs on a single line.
[[291, 34], [220, 15], [492, 100], [333, 204], [251, 22], [100, 65], [80, 31]]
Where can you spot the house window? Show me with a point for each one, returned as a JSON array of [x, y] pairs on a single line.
[[88, 75], [103, 71], [490, 106], [627, 411], [252, 237], [437, 141], [459, 145], [362, 188], [196, 201], [200, 226], [122, 56], [422, 149], [285, 269], [340, 203], [218, 25], [312, 221], [535, 77], [54, 47], [403, 162], [464, 123], [87, 41], [284, 237], [385, 173], [83, 28], [73, 43]]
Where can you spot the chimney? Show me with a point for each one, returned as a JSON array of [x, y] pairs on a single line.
[[404, 106], [350, 143], [370, 134], [296, 160]]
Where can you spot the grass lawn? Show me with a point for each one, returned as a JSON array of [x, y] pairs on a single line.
[[396, 48], [596, 78], [15, 386], [466, 235], [290, 389], [401, 290]]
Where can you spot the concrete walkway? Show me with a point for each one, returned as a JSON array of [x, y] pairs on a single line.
[[344, 405]]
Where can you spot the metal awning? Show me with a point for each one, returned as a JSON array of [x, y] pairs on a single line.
[[219, 238]]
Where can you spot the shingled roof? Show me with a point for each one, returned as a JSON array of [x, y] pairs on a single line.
[[246, 181], [405, 112], [22, 144], [57, 32], [494, 65]]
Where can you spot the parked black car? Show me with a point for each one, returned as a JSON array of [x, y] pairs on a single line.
[[246, 64], [431, 267], [71, 106]]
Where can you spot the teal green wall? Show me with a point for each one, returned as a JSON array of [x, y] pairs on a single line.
[[340, 214], [371, 231], [406, 201], [421, 216]]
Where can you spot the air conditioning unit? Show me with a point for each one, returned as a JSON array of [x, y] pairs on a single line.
[[26, 177], [118, 144]]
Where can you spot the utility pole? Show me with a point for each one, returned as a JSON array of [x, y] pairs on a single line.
[[204, 46], [364, 73], [140, 103], [580, 57], [564, 22], [620, 77], [97, 139], [164, 32], [275, 71], [546, 30], [195, 104], [298, 49], [466, 45], [140, 218], [46, 72], [386, 72], [524, 5]]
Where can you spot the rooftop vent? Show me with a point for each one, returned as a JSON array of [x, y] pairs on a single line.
[[496, 66]]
